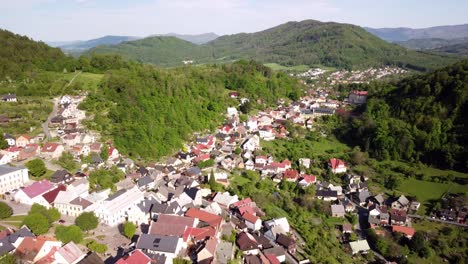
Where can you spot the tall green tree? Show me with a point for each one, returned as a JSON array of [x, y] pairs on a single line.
[[104, 152], [87, 221], [37, 222], [5, 210], [69, 233], [3, 142], [36, 167], [129, 229]]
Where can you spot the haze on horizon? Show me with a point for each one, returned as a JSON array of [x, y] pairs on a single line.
[[67, 20]]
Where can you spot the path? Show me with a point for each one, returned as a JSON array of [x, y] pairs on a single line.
[[438, 220], [72, 79]]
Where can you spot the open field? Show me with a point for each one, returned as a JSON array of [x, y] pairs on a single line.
[[277, 67]]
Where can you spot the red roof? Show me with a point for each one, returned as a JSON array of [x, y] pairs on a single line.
[[291, 174], [362, 93], [245, 209], [50, 147], [38, 188], [51, 195], [137, 257], [199, 233], [335, 163], [250, 217], [272, 258], [212, 219], [409, 231], [309, 178], [243, 202], [286, 163], [13, 149]]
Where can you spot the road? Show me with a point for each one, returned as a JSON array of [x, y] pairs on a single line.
[[438, 220], [45, 125]]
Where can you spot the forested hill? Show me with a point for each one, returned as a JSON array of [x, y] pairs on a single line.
[[460, 49], [307, 42], [419, 118], [149, 112], [161, 50], [20, 56]]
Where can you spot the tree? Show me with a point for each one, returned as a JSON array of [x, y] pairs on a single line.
[[3, 142], [8, 259], [87, 221], [97, 247], [417, 242], [5, 210], [238, 151], [69, 233], [246, 107], [37, 222], [67, 161], [212, 181], [129, 230], [51, 214], [104, 152], [36, 167]]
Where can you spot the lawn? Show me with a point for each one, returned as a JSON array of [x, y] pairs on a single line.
[[15, 218], [426, 191], [239, 180]]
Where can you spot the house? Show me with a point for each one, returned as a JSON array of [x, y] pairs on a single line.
[[247, 244], [12, 178], [360, 246], [52, 150], [65, 100], [113, 153], [62, 177], [337, 166], [357, 97], [378, 216], [253, 222], [114, 209], [32, 249], [171, 225], [11, 140], [266, 133], [23, 140], [213, 208], [407, 231], [398, 217], [9, 98], [91, 258], [95, 147], [67, 254], [225, 199], [208, 252], [401, 203], [33, 193], [211, 219], [168, 246], [306, 180], [347, 228], [5, 159], [276, 252], [338, 210], [287, 242], [224, 252], [135, 257], [327, 195], [304, 162], [415, 205], [145, 183], [232, 111], [291, 175], [141, 213], [191, 195], [251, 143], [252, 124], [362, 197]]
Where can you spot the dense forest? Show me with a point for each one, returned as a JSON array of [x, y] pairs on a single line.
[[307, 42], [420, 118], [149, 112]]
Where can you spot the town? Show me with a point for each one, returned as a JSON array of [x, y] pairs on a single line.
[[178, 205]]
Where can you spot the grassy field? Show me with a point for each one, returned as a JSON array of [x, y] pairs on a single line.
[[277, 67], [239, 180]]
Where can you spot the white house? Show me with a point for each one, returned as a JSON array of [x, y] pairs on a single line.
[[337, 166], [225, 199], [12, 178], [33, 193], [114, 209], [252, 124], [360, 246], [251, 143], [232, 111], [252, 222], [5, 159]]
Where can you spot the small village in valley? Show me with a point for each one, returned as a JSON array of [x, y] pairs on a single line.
[[181, 206]]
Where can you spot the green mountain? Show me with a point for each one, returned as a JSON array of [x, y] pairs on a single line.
[[195, 39], [21, 57], [294, 43], [162, 51], [403, 34], [430, 43], [420, 118], [149, 112], [460, 49]]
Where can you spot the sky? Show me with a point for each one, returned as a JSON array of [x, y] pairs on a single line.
[[67, 20]]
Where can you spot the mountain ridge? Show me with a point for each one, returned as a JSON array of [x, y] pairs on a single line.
[[406, 33]]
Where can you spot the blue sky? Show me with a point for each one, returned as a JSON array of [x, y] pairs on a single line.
[[65, 20]]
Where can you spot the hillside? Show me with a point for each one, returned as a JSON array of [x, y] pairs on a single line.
[[430, 43], [21, 57], [162, 51], [403, 34], [88, 44], [195, 39], [419, 118], [307, 42], [149, 112], [460, 49]]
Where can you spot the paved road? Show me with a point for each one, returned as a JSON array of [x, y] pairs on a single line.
[[18, 209], [438, 220], [45, 125]]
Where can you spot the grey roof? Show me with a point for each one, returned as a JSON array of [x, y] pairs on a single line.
[[379, 198], [91, 258], [116, 194], [277, 251], [192, 192], [147, 204], [157, 258], [363, 196], [158, 243], [160, 208], [193, 171], [60, 175], [23, 232], [5, 246], [224, 251], [403, 200], [144, 181], [4, 169]]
